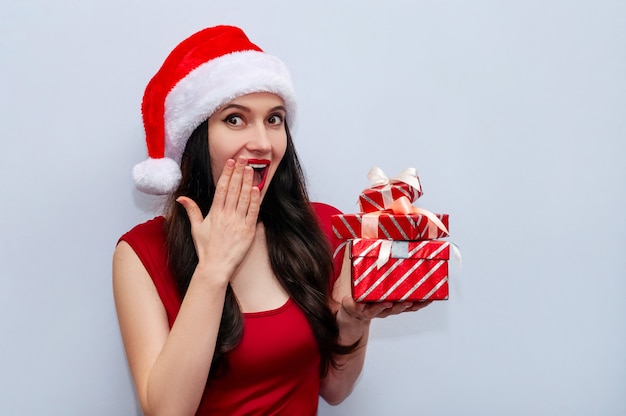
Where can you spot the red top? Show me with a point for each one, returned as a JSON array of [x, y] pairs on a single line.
[[275, 368]]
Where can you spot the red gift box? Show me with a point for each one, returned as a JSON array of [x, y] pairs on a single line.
[[384, 191], [398, 271], [379, 197], [388, 226]]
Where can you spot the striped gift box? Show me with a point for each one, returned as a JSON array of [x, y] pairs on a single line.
[[390, 226], [379, 198], [413, 271]]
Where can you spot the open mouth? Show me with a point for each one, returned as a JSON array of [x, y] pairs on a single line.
[[261, 167]]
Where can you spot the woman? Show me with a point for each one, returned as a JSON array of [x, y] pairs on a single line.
[[228, 303]]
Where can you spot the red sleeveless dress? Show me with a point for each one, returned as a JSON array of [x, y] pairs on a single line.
[[275, 368]]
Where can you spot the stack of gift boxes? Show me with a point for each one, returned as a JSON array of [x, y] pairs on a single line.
[[396, 249]]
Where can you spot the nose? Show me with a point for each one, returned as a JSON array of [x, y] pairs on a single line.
[[259, 140]]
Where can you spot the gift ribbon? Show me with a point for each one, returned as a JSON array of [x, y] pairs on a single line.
[[377, 177], [384, 253], [401, 206]]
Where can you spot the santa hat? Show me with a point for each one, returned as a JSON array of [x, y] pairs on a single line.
[[204, 72]]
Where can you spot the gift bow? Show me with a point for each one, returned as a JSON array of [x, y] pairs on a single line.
[[377, 177]]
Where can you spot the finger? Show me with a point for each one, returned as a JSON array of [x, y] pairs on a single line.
[[245, 194], [364, 310], [377, 309], [400, 307], [419, 305], [193, 211], [221, 186], [234, 185], [255, 205]]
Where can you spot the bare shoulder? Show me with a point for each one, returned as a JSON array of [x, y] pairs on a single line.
[[123, 254], [128, 271], [131, 281]]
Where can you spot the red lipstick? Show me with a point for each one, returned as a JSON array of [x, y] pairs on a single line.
[[261, 167]]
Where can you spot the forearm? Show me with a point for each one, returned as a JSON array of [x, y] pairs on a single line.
[[178, 377], [339, 382]]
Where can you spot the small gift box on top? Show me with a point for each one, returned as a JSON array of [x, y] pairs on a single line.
[[383, 191], [399, 271]]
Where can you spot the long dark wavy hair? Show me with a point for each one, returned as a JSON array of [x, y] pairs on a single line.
[[299, 253]]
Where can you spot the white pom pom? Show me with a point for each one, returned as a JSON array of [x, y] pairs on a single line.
[[157, 176]]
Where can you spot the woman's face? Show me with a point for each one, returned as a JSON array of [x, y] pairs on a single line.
[[252, 126]]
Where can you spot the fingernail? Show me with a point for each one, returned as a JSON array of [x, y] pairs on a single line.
[[230, 163]]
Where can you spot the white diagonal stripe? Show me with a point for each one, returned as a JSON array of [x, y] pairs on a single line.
[[365, 274], [419, 224], [361, 256], [402, 279], [417, 248], [345, 222], [434, 253], [382, 228], [398, 227], [436, 288], [372, 202], [380, 279], [405, 192], [423, 279]]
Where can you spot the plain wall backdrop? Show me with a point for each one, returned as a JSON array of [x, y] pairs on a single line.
[[513, 112]]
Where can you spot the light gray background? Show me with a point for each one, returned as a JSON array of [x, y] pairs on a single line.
[[512, 111]]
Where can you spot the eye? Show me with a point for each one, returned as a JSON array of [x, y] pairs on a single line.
[[275, 120], [234, 120]]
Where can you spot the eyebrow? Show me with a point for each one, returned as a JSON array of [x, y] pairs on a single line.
[[247, 109]]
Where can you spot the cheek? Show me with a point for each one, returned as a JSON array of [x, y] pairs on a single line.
[[280, 147], [281, 153], [220, 150], [217, 159]]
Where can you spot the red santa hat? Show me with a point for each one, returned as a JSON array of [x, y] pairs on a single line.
[[201, 74]]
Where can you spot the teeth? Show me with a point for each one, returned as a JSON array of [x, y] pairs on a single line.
[[257, 165]]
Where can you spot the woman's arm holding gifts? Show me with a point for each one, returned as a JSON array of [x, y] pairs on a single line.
[[353, 320]]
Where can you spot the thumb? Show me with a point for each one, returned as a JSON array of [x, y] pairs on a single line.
[[193, 211], [351, 307]]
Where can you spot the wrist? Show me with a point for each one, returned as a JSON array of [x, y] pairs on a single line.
[[209, 272]]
